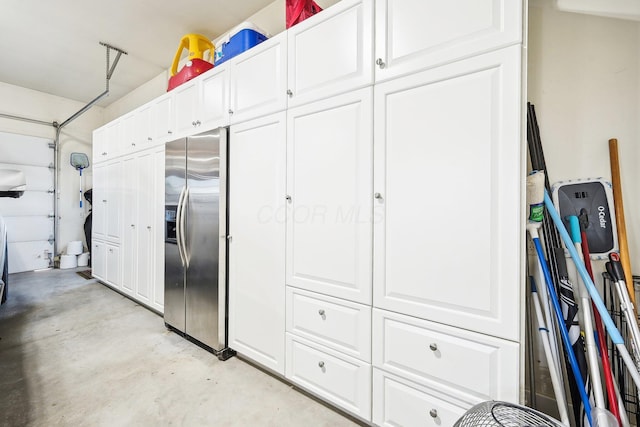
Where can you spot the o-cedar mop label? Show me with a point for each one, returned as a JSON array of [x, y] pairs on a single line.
[[536, 212]]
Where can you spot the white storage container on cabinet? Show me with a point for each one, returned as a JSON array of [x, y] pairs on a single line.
[[413, 35], [329, 188], [259, 80], [257, 158], [340, 379], [471, 366], [331, 53], [447, 242]]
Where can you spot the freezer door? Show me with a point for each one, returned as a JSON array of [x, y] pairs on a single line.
[[202, 236], [174, 272]]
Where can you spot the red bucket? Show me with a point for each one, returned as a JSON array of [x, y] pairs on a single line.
[[299, 10]]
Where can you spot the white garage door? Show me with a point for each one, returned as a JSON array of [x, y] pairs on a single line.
[[29, 219]]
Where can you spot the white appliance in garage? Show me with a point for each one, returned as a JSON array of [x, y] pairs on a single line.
[[12, 184]]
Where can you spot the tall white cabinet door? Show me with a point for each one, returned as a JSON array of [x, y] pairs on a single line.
[[130, 225], [99, 205], [259, 80], [161, 121], [114, 187], [257, 158], [185, 98], [214, 98], [158, 224], [413, 35], [331, 52], [448, 172], [145, 214], [330, 193]]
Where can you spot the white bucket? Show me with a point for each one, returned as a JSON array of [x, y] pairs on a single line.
[[74, 248], [83, 259], [68, 261]]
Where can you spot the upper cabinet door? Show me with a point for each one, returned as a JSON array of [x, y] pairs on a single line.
[[160, 121], [330, 194], [413, 35], [331, 52], [448, 171], [259, 80], [185, 98], [214, 98]]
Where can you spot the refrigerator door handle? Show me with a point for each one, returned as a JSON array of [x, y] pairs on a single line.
[[185, 205], [179, 225]]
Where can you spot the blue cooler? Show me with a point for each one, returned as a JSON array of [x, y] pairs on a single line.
[[241, 38]]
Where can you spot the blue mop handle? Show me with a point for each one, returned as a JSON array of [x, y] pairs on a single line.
[[586, 279], [563, 328]]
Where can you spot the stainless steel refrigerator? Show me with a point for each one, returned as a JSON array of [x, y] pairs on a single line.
[[195, 303]]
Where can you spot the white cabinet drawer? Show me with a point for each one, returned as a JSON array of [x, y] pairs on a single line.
[[341, 380], [342, 325], [478, 367], [398, 402]]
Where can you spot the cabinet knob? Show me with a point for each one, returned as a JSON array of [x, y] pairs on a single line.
[[433, 346], [290, 93], [104, 153], [231, 112], [148, 227], [288, 198], [321, 364], [133, 226], [133, 144], [377, 196], [193, 123], [149, 138], [380, 63], [198, 122], [321, 312], [169, 132], [104, 201], [433, 413]]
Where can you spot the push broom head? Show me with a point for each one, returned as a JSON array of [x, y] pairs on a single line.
[[535, 196]]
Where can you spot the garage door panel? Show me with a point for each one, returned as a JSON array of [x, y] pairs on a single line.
[[25, 150], [27, 256], [27, 229], [29, 218], [38, 178], [31, 204]]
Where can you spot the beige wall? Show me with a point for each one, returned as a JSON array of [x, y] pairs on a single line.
[[76, 136], [584, 80]]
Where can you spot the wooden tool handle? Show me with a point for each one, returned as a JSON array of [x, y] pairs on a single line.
[[620, 221]]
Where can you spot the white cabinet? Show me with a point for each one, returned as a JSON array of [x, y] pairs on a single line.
[[331, 53], [259, 80], [470, 366], [160, 120], [399, 402], [413, 35], [99, 145], [340, 379], [113, 265], [447, 231], [129, 225], [107, 193], [202, 103], [113, 140], [145, 226], [256, 250], [98, 259], [330, 193]]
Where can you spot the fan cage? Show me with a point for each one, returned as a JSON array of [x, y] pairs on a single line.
[[504, 414]]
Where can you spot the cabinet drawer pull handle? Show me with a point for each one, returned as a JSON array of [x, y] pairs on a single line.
[[433, 347], [321, 312], [380, 63], [433, 413], [321, 364]]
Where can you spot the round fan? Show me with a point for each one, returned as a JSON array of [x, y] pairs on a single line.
[[503, 414]]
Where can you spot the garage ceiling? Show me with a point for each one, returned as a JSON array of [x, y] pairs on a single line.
[[53, 46]]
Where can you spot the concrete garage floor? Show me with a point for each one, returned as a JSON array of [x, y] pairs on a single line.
[[75, 353]]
